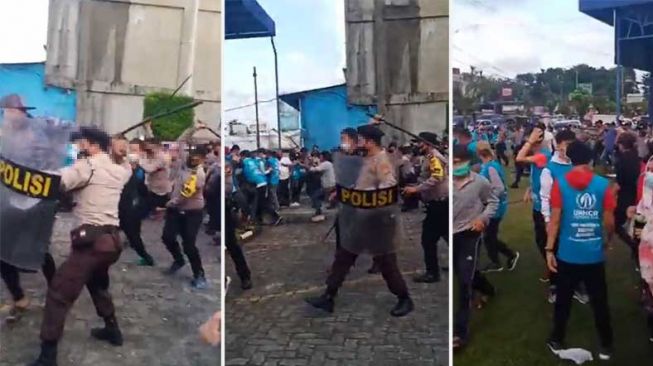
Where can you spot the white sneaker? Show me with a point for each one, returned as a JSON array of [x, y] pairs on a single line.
[[318, 218], [581, 297], [295, 204]]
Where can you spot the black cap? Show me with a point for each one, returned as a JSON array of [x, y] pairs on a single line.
[[370, 132], [93, 135], [430, 137]]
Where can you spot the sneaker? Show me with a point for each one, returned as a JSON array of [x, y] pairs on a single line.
[[551, 298], [555, 347], [112, 335], [146, 262], [174, 267], [427, 278], [581, 297], [318, 218], [605, 354], [199, 283], [278, 221], [512, 262], [246, 284], [295, 204], [324, 302], [492, 267], [404, 307]]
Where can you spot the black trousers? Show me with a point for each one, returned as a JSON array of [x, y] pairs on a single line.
[[131, 226], [387, 264], [296, 186], [593, 276], [434, 227], [261, 204], [214, 211], [231, 242], [185, 224], [539, 225], [284, 192], [493, 244], [466, 246], [11, 276]]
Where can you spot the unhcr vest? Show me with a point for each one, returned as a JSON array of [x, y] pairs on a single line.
[[503, 197], [536, 173], [558, 170], [581, 224]]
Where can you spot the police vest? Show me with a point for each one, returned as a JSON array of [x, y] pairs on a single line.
[[536, 173], [503, 197], [581, 224]]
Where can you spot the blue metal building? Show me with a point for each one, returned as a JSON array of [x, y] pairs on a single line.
[[28, 81], [633, 35], [324, 113]]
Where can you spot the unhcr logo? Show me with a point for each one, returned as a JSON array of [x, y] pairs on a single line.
[[585, 201], [585, 206]]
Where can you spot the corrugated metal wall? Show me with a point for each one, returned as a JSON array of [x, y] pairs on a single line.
[[398, 59]]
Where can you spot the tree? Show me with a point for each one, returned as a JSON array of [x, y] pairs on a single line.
[[168, 128], [580, 101]]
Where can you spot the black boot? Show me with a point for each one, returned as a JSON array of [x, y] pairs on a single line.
[[404, 307], [174, 267], [324, 302], [48, 356], [427, 277], [246, 283], [110, 333]]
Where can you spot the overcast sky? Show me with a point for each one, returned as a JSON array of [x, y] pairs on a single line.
[[311, 47], [23, 30], [507, 37]]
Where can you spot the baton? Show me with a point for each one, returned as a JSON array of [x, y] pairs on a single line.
[[330, 230], [386, 122], [163, 114]]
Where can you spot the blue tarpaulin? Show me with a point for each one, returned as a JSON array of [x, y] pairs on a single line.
[[247, 19], [324, 113]]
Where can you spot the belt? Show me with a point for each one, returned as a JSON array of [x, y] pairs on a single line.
[[437, 200]]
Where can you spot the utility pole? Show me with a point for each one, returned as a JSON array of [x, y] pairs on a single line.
[[258, 129], [276, 84], [188, 46]]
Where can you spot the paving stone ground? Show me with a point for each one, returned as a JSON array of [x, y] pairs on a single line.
[[271, 324], [159, 315]]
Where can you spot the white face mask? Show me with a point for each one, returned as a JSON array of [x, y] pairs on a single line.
[[345, 146], [133, 158]]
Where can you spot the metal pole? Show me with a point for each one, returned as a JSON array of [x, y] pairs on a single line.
[[258, 129], [617, 36], [276, 84], [189, 45]]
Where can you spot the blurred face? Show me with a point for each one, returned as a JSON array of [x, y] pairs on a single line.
[[119, 147], [461, 168], [347, 143], [194, 160]]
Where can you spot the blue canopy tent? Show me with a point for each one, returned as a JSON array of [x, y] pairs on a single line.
[[248, 19], [633, 23]]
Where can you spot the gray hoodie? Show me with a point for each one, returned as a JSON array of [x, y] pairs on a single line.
[[475, 199]]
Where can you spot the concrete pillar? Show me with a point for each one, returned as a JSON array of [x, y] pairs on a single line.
[[187, 49]]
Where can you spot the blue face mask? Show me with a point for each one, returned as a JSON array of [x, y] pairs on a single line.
[[648, 180], [461, 170]]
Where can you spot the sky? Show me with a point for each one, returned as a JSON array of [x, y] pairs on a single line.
[[311, 54], [23, 30], [507, 37]]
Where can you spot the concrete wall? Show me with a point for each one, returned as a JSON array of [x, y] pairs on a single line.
[[398, 59], [115, 52]]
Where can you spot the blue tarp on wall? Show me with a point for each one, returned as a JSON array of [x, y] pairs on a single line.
[[324, 113], [27, 80]]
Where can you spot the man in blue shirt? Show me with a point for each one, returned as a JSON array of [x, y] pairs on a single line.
[[582, 209]]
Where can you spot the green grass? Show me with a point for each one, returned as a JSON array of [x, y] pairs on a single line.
[[513, 328]]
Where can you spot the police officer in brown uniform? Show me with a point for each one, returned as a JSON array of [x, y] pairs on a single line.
[[96, 183], [433, 189], [376, 173]]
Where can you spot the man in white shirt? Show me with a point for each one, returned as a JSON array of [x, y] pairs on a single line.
[[284, 179]]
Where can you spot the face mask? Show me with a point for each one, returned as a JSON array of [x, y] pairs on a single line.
[[345, 146], [648, 180], [461, 170], [133, 158]]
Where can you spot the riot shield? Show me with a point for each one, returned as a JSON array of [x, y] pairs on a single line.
[[31, 152], [368, 216]]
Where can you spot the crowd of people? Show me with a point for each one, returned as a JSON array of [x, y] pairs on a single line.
[[575, 213], [114, 184], [261, 183]]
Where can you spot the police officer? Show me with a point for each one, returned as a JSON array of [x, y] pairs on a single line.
[[184, 214], [433, 188], [377, 172], [97, 183]]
